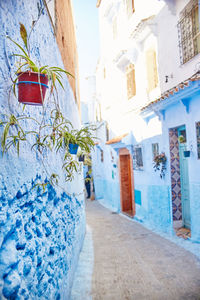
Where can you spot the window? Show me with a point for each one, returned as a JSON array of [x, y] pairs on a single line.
[[130, 77], [198, 139], [115, 28], [152, 73], [137, 158], [188, 32], [155, 149], [130, 7]]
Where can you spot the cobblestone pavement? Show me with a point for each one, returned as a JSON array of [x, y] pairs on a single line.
[[133, 263]]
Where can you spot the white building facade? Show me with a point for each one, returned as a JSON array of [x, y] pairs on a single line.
[[148, 69]]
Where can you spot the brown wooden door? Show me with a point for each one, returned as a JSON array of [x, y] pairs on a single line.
[[127, 203]]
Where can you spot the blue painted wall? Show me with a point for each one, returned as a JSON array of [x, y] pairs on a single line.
[[106, 176], [153, 207], [176, 116], [41, 234]]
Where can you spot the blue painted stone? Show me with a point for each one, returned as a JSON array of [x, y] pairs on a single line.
[[23, 291], [39, 233], [19, 195], [11, 285], [58, 297], [10, 293], [30, 252], [28, 235], [26, 269], [14, 265], [51, 193], [20, 246], [39, 261], [48, 231], [50, 280], [56, 200], [18, 223], [51, 251], [12, 234]]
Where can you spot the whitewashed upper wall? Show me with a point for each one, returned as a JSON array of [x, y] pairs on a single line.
[[111, 79], [168, 49]]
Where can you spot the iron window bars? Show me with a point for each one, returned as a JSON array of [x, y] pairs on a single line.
[[188, 32]]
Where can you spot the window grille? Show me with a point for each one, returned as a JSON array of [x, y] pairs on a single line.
[[137, 158], [188, 32]]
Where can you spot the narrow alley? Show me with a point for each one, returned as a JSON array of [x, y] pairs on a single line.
[[133, 263]]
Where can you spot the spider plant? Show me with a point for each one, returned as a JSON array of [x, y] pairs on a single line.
[[18, 133], [25, 63], [83, 138], [70, 166]]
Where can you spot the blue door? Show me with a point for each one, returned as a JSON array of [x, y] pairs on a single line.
[[185, 197]]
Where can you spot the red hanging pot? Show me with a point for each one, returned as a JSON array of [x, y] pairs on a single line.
[[32, 88]]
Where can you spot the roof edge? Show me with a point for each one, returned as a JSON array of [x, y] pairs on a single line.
[[172, 91], [116, 139]]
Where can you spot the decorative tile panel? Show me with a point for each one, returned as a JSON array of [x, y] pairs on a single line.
[[175, 174]]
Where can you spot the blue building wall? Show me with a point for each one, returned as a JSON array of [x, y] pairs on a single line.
[[153, 195], [154, 208], [178, 115], [41, 233], [156, 198], [106, 176]]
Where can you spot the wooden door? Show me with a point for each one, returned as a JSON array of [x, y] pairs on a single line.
[[126, 184]]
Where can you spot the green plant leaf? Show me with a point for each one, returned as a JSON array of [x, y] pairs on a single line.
[[23, 34], [20, 47]]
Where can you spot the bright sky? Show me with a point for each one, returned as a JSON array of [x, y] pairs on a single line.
[[87, 35]]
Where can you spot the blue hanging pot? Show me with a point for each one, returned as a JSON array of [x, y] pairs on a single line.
[[186, 153], [73, 148], [81, 158]]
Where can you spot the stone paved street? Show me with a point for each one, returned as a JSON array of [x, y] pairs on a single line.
[[133, 263]]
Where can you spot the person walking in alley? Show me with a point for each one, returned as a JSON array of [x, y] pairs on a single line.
[[87, 184]]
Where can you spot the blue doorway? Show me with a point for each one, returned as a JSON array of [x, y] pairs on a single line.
[[185, 196], [179, 178]]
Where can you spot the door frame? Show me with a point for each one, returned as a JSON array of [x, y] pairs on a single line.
[[125, 151]]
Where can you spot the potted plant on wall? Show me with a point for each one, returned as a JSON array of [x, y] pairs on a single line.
[[159, 164], [182, 140], [186, 153], [32, 80], [79, 138]]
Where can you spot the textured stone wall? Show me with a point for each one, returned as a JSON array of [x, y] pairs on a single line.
[[41, 233], [39, 237]]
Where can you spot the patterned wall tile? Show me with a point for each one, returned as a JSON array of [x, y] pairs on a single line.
[[175, 174]]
